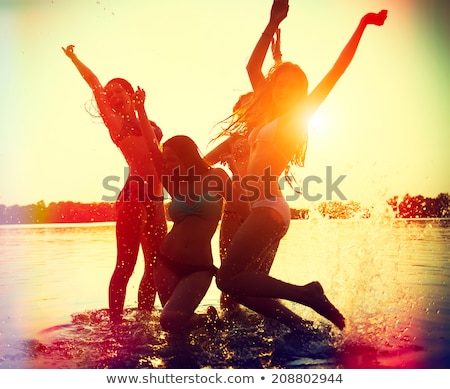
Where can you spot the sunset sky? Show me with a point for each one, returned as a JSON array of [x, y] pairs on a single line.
[[385, 125]]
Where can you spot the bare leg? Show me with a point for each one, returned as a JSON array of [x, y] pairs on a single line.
[[284, 315], [155, 228], [311, 295], [257, 234], [228, 227], [268, 258], [178, 315], [128, 235], [274, 309], [180, 297]]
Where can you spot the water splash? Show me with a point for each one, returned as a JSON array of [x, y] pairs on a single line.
[[249, 342], [388, 277]]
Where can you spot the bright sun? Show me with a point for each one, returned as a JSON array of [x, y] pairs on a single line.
[[318, 123]]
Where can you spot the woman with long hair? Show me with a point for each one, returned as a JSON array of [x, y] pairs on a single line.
[[234, 153], [185, 267], [141, 218], [282, 108]]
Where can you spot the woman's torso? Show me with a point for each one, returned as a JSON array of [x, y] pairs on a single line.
[[195, 219], [271, 149], [133, 147]]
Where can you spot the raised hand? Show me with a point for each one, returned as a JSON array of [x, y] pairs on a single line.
[[275, 45], [69, 51], [279, 11], [375, 18], [139, 97]]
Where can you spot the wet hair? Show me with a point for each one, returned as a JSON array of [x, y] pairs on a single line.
[[91, 105], [289, 67], [260, 110], [265, 97], [188, 152], [235, 124], [242, 102], [124, 83], [298, 75]]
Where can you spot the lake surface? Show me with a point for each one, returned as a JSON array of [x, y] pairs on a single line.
[[388, 277]]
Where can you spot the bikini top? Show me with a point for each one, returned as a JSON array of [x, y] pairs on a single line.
[[207, 206], [131, 126], [266, 134]]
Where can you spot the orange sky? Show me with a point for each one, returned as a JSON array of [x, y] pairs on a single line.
[[385, 125]]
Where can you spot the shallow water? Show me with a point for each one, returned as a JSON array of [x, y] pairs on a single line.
[[388, 277]]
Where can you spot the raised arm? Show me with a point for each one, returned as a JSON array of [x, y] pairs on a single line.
[[85, 72], [93, 82], [147, 129], [276, 47], [221, 153], [322, 90], [278, 13]]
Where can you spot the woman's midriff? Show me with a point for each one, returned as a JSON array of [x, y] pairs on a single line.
[[140, 163], [263, 172], [189, 241]]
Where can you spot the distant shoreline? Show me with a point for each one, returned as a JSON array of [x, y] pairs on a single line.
[[113, 223], [66, 212]]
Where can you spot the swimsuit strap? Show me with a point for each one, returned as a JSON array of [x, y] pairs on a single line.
[[207, 206], [267, 134]]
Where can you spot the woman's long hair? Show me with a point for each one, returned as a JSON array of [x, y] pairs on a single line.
[[260, 109], [188, 152], [91, 105], [124, 83]]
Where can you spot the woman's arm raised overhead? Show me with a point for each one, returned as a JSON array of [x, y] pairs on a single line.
[[318, 95], [278, 13], [88, 75]]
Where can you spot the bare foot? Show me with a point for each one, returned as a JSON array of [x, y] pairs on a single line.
[[320, 303], [211, 313], [212, 318]]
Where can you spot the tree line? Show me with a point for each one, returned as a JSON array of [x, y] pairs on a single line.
[[420, 206], [61, 212], [75, 212]]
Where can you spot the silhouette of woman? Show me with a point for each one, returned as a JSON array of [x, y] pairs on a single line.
[[184, 269], [140, 209], [234, 152], [282, 108]]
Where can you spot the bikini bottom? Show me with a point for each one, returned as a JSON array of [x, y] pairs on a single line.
[[136, 190], [280, 205], [184, 270]]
